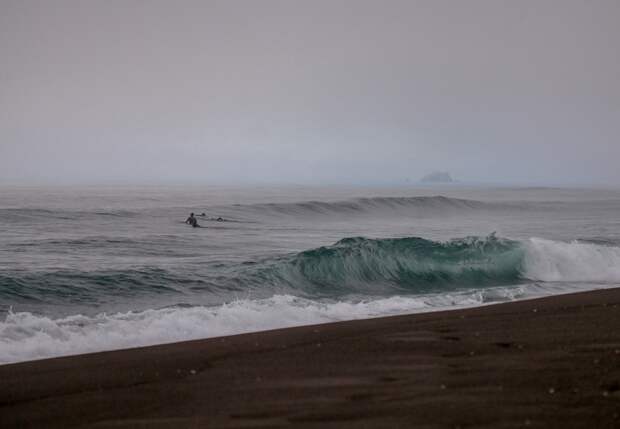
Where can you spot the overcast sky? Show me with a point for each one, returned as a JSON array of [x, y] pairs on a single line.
[[310, 91]]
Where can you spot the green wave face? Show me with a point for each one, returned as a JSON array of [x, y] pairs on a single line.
[[410, 264], [352, 266]]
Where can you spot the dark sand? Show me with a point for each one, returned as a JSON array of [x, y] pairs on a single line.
[[552, 362]]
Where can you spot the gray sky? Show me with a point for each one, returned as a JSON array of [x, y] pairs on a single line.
[[310, 91]]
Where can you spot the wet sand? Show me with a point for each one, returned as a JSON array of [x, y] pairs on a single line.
[[551, 362]]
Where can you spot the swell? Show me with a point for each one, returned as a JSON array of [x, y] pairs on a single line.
[[416, 206], [437, 205], [381, 205]]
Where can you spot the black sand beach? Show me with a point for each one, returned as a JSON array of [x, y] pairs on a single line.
[[551, 362]]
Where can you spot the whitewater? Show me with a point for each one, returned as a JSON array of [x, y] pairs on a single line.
[[102, 268]]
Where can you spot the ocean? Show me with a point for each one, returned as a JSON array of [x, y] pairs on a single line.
[[85, 269]]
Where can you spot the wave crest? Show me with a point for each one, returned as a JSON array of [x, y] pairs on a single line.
[[417, 265], [411, 264]]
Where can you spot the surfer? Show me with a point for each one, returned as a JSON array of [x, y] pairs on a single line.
[[191, 220]]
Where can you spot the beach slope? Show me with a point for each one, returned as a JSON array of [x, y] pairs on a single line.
[[551, 362]]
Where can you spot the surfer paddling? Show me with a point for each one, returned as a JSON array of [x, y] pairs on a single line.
[[191, 220]]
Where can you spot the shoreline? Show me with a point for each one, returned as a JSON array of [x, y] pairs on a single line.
[[543, 362]]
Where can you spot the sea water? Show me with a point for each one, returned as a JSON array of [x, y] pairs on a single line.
[[86, 269]]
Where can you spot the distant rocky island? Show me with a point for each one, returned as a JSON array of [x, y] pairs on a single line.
[[437, 177]]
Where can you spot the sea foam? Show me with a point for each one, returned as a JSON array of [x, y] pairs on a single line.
[[555, 261], [26, 336]]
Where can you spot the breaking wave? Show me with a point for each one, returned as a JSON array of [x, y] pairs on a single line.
[[353, 278], [411, 265], [556, 261], [352, 266]]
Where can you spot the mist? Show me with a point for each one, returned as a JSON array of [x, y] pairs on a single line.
[[309, 91]]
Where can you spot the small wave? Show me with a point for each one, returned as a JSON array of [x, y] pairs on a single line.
[[432, 205]]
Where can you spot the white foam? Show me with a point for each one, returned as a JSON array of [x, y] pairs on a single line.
[[25, 336], [555, 261]]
